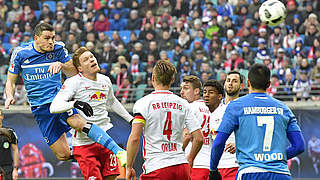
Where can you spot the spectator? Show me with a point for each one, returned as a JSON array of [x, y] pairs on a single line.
[[132, 42], [77, 31], [164, 55], [197, 24], [108, 55], [75, 17], [315, 93], [138, 49], [289, 41], [46, 12], [116, 40], [149, 18], [242, 15], [199, 59], [27, 11], [117, 66], [311, 33], [262, 50], [274, 85], [291, 11], [213, 27], [316, 69], [184, 40], [215, 47], [119, 8], [281, 56], [247, 55], [305, 67], [4, 38], [248, 27], [124, 91], [165, 6], [134, 22], [183, 59], [102, 39], [278, 36], [153, 49], [123, 81], [267, 61], [285, 67], [178, 29], [222, 77], [102, 24], [166, 42], [60, 19], [16, 34], [177, 53], [287, 84], [302, 86], [234, 62], [15, 11], [135, 67], [217, 64], [117, 23], [186, 70]]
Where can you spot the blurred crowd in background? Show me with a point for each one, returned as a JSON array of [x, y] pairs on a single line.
[[206, 38]]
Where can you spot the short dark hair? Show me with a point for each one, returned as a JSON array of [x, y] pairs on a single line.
[[259, 76], [216, 84], [42, 27], [236, 72]]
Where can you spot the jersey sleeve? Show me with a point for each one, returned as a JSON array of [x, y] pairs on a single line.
[[111, 98], [139, 113], [229, 119], [62, 101], [191, 122], [292, 124], [15, 61], [63, 55], [14, 137]]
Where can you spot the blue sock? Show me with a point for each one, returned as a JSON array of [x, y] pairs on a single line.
[[101, 137]]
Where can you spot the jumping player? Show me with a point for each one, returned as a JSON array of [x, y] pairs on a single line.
[[95, 90], [191, 91], [162, 116], [260, 124], [40, 62]]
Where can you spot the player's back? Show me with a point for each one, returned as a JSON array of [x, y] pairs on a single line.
[[261, 123], [41, 86], [166, 115]]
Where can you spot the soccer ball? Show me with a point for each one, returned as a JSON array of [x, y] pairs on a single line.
[[272, 12]]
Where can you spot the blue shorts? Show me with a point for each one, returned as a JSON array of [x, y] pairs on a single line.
[[52, 126], [263, 176]]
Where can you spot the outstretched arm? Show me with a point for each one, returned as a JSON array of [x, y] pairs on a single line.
[[217, 149], [10, 88], [117, 107]]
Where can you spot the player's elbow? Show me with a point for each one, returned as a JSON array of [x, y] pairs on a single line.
[[300, 149]]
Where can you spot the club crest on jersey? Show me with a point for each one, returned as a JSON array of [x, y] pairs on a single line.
[[49, 56], [98, 96]]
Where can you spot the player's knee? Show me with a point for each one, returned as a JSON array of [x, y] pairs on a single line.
[[63, 156], [76, 122]]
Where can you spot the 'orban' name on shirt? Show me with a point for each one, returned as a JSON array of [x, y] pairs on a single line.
[[263, 110]]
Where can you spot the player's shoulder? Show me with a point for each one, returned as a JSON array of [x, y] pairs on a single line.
[[21, 50], [59, 45], [103, 77]]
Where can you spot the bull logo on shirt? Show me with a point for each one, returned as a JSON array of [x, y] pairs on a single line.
[[98, 96], [214, 133]]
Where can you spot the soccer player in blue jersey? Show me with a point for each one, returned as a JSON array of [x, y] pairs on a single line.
[[40, 62], [261, 125]]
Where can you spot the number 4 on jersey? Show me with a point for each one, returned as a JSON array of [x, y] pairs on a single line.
[[167, 126]]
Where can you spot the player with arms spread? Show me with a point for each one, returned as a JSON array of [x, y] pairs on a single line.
[[190, 91], [228, 166], [40, 62], [95, 90], [261, 125], [162, 116]]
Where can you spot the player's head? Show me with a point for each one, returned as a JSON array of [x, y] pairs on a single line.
[[44, 37], [163, 73], [259, 77], [190, 88], [85, 62], [212, 93], [233, 83]]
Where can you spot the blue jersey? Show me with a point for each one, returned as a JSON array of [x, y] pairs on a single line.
[[260, 123], [41, 85]]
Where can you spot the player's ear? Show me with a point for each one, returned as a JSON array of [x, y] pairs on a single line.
[[197, 91], [79, 68]]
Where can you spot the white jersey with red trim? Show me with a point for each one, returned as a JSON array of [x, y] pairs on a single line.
[[227, 160], [98, 94], [165, 115], [202, 114]]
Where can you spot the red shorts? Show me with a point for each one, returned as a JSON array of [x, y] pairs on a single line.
[[228, 173], [199, 174], [180, 171], [96, 161]]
